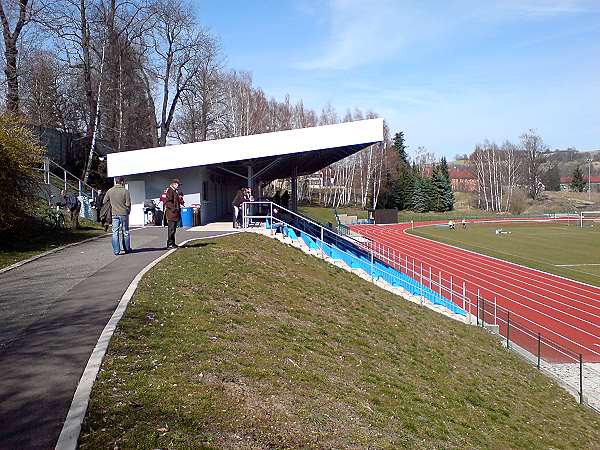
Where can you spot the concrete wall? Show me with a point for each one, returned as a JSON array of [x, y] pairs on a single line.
[[215, 202]]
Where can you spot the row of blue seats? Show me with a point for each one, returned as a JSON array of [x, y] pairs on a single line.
[[358, 259]]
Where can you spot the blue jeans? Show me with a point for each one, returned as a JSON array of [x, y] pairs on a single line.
[[118, 223]]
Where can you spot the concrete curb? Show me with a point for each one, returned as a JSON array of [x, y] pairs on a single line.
[[69, 435]]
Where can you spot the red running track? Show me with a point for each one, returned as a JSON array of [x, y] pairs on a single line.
[[563, 311]]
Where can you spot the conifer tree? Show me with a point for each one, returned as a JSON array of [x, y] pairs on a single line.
[[420, 197], [577, 181], [400, 147]]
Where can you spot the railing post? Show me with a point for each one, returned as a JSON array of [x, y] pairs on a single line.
[[539, 352], [65, 178], [580, 378], [440, 281], [79, 186], [477, 307], [430, 279], [322, 242], [495, 312], [451, 293], [47, 170], [508, 330]]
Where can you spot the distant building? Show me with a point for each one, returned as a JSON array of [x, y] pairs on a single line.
[[565, 183], [461, 178]]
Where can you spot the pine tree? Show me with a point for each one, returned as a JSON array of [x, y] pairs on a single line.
[[420, 197], [577, 181], [442, 197], [400, 147]]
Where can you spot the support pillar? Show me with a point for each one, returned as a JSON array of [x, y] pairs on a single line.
[[294, 198]]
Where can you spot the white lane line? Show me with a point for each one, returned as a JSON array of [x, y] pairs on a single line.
[[575, 265], [69, 435]]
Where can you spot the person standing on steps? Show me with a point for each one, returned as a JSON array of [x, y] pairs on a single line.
[[172, 211], [120, 205]]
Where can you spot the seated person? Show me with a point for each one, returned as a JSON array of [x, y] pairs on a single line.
[[451, 225]]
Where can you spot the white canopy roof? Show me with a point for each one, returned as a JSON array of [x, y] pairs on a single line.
[[329, 143]]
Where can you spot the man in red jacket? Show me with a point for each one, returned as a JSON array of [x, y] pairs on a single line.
[[172, 211]]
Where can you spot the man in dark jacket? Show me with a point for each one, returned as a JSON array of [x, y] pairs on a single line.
[[172, 211], [73, 204]]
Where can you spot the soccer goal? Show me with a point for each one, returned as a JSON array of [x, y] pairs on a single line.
[[592, 217]]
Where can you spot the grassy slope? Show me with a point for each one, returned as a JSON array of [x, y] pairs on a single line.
[[31, 242], [245, 350], [324, 215], [538, 246]]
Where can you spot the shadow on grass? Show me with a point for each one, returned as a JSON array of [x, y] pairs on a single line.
[[197, 245]]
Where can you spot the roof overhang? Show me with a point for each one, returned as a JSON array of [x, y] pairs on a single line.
[[272, 155]]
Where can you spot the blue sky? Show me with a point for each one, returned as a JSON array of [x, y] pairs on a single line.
[[449, 73]]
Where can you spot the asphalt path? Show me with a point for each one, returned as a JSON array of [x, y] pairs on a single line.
[[52, 311]]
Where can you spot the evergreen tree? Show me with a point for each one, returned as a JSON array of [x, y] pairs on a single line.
[[420, 197], [444, 168], [577, 181], [400, 147], [442, 197]]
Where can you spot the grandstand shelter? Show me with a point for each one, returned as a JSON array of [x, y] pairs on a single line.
[[212, 171]]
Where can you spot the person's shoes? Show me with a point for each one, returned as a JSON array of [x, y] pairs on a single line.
[[173, 246], [128, 251], [117, 254]]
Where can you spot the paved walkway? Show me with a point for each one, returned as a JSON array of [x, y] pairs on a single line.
[[52, 312]]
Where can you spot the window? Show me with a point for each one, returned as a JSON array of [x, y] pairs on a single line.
[[205, 190]]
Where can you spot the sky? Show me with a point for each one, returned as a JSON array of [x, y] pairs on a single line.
[[449, 73]]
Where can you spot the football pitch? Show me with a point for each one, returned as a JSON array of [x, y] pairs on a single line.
[[558, 248]]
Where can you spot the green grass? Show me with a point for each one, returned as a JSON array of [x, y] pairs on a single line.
[[537, 245], [34, 239], [242, 342], [325, 215]]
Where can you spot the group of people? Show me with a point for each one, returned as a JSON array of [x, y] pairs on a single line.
[[451, 225], [114, 207]]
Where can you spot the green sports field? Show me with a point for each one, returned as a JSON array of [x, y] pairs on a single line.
[[558, 248]]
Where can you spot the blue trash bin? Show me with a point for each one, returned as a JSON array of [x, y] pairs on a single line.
[[187, 217]]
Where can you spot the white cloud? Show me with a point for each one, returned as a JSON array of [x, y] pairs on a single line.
[[362, 32]]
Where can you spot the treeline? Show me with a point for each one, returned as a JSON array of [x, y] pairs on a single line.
[[509, 173], [143, 73], [418, 186]]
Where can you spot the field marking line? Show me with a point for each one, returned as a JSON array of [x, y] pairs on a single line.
[[69, 435], [576, 265]]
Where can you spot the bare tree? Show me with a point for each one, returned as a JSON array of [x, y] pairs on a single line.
[[533, 147], [179, 49], [20, 12]]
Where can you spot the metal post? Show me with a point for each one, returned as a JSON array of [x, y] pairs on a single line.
[[65, 178], [80, 187], [580, 378], [421, 277], [477, 307], [322, 242], [451, 288], [508, 330], [495, 312], [372, 262], [440, 280], [539, 349], [464, 296], [271, 218], [430, 279]]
